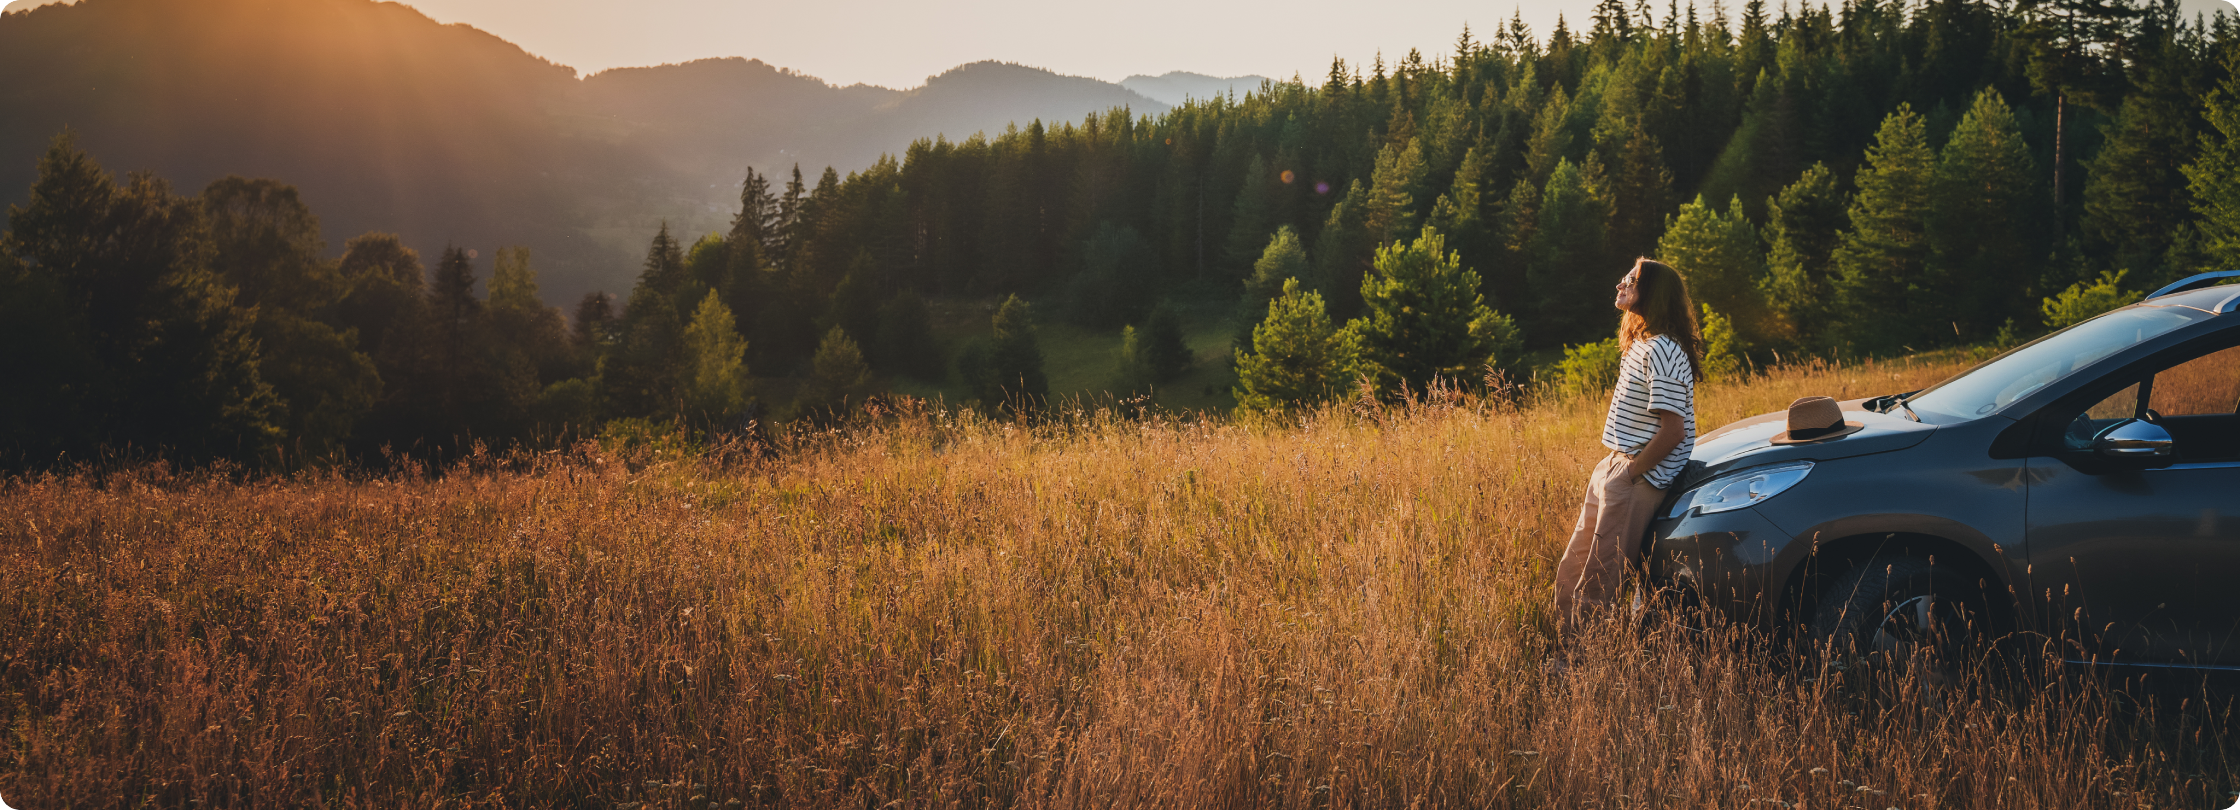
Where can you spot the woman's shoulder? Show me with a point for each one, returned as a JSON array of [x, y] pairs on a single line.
[[1665, 349], [1660, 344]]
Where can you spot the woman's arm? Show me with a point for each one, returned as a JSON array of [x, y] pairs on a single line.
[[1669, 429]]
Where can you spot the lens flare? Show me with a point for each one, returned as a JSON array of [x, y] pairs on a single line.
[[1322, 188], [1287, 177]]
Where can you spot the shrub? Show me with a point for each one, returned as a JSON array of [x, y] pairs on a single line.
[[1589, 367], [2085, 299]]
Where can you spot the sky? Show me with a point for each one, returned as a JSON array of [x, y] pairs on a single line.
[[899, 43]]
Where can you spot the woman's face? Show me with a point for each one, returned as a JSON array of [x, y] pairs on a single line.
[[1629, 290]]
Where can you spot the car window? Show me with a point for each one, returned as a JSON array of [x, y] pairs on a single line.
[[1983, 390], [2209, 384], [2117, 407], [2194, 398]]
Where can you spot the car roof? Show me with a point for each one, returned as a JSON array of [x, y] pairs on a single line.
[[2219, 300]]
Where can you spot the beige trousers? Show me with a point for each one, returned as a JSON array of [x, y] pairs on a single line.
[[1606, 542]]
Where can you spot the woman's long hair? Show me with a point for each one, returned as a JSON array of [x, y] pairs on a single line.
[[1662, 307]]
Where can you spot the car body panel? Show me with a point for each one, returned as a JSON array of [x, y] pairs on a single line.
[[1748, 443], [2142, 557], [2140, 565], [1949, 489]]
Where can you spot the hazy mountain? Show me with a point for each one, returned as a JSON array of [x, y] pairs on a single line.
[[444, 134], [1175, 87], [712, 118], [27, 5], [384, 119]]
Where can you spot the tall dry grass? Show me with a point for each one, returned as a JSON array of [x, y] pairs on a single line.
[[936, 610]]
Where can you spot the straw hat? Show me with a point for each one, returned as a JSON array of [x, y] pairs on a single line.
[[1815, 419]]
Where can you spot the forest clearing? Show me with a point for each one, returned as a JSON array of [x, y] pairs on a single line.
[[930, 608]]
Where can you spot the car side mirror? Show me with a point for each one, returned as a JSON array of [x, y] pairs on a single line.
[[2135, 444]]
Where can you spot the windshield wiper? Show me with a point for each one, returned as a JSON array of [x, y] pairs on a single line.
[[1887, 402], [1909, 409]]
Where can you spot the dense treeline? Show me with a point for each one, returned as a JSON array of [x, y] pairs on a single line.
[[1865, 180], [1868, 179]]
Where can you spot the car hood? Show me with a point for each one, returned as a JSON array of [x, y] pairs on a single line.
[[1748, 443]]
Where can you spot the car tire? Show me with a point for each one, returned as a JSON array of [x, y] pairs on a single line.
[[1895, 617]]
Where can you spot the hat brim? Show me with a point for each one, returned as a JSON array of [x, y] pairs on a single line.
[[1837, 432]]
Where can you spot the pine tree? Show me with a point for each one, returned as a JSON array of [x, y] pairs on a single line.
[[1570, 262], [1012, 375], [592, 328], [757, 225], [513, 283], [1300, 358], [1394, 186], [1639, 193], [707, 268], [1802, 227], [1343, 251], [1115, 284], [715, 379], [664, 270], [1250, 218], [266, 244], [1425, 318], [904, 342], [783, 236], [1550, 144], [383, 283], [640, 376], [1719, 256], [855, 303], [456, 318], [1282, 258], [142, 344], [1460, 213], [2135, 193], [838, 377], [2214, 176], [2069, 47], [1984, 222], [1881, 281], [1165, 355], [525, 325]]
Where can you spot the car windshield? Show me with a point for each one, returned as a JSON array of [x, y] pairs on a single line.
[[1985, 389]]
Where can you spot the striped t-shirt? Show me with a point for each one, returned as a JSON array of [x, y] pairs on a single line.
[[1655, 376]]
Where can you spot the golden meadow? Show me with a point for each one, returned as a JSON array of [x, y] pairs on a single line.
[[931, 609]]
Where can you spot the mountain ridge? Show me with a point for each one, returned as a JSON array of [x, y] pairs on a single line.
[[387, 120], [1175, 87]]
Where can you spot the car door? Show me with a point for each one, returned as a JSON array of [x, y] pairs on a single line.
[[2140, 565]]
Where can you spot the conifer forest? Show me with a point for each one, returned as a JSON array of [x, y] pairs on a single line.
[[1868, 180]]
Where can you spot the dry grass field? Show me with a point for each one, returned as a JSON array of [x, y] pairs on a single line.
[[935, 610]]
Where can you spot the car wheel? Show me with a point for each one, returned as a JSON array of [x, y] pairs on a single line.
[[1895, 617]]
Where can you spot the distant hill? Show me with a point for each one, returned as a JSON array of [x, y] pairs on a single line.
[[1176, 87], [384, 119], [714, 117], [445, 134]]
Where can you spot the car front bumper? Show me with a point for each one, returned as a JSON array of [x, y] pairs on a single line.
[[1731, 561]]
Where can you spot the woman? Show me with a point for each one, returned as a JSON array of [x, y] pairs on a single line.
[[1650, 430]]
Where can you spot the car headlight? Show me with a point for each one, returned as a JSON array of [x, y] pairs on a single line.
[[1746, 488]]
